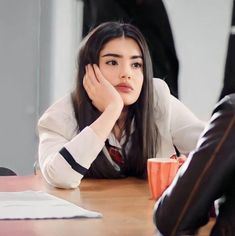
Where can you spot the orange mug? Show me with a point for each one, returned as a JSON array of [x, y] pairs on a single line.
[[161, 172]]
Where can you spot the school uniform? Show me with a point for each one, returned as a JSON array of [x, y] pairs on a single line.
[[66, 153]]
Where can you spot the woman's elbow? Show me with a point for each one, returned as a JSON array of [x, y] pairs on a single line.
[[65, 183], [61, 178]]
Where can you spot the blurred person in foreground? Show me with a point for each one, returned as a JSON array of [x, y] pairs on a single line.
[[208, 175]]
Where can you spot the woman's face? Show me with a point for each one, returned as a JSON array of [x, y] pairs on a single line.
[[121, 63]]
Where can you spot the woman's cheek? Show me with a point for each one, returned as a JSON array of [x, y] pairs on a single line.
[[109, 75]]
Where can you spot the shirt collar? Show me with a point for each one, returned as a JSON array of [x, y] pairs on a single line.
[[114, 142]]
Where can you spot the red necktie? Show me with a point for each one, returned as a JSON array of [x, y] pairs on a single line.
[[115, 154]]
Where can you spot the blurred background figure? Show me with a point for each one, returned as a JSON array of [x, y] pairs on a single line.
[[150, 16], [229, 76]]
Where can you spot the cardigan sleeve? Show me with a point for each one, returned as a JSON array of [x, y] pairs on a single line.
[[185, 127], [64, 155], [177, 125]]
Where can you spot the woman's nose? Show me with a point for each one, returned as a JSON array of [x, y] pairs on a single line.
[[125, 77], [125, 73]]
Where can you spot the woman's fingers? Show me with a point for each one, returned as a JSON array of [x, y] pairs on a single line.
[[98, 73], [86, 86], [91, 74], [88, 79]]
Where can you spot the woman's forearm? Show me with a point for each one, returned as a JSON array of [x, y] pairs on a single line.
[[104, 124]]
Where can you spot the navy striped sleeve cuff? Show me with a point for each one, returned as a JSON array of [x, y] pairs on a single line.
[[69, 158]]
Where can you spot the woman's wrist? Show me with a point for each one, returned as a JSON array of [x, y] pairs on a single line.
[[104, 124], [114, 109]]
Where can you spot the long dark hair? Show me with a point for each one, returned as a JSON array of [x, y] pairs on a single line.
[[141, 113]]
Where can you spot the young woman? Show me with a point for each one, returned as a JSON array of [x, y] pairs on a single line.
[[117, 117]]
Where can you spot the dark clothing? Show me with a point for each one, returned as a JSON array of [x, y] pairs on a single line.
[[208, 174], [229, 76], [6, 172], [151, 18]]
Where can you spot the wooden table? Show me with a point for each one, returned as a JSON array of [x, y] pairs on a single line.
[[125, 204]]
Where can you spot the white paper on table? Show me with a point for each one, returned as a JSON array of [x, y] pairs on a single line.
[[39, 205]]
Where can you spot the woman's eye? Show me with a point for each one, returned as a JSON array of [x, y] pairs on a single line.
[[112, 62], [137, 65]]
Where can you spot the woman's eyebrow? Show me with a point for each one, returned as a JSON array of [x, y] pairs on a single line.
[[137, 56], [120, 56], [111, 55]]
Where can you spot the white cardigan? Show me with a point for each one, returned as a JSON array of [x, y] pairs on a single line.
[[57, 127]]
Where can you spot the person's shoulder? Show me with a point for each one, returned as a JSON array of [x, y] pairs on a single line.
[[62, 105], [160, 86], [59, 117], [61, 109], [226, 103], [161, 92], [162, 99]]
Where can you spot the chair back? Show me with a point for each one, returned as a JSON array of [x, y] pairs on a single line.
[[6, 171]]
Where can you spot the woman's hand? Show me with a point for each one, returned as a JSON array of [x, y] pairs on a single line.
[[101, 91], [105, 98]]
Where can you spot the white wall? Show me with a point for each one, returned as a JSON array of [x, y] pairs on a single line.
[[61, 29], [201, 30], [38, 44], [19, 74], [65, 37]]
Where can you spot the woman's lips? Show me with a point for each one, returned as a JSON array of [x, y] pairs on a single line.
[[123, 87]]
